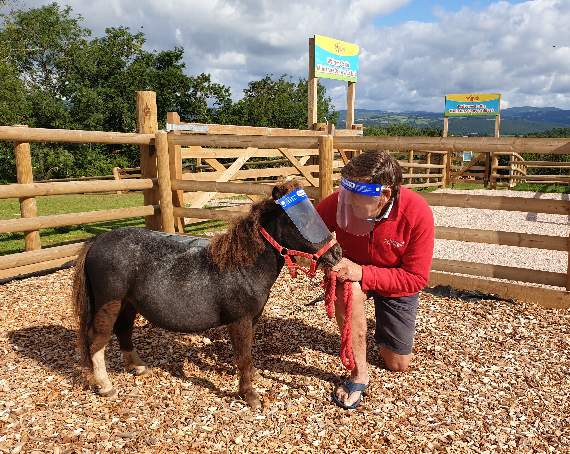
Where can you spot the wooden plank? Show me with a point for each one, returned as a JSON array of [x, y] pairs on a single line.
[[424, 185], [457, 144], [252, 173], [43, 255], [17, 134], [218, 129], [35, 267], [210, 213], [421, 175], [60, 220], [224, 187], [215, 164], [194, 152], [545, 297], [199, 200], [243, 174], [500, 272], [302, 169], [548, 242], [73, 187], [420, 166], [227, 141], [524, 205]]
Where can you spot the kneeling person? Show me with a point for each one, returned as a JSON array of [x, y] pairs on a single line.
[[387, 236]]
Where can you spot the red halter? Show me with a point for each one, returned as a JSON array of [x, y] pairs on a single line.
[[346, 354], [288, 253]]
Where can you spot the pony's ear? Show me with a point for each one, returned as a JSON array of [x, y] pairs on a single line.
[[284, 188]]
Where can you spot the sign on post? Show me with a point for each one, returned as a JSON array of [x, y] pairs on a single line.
[[336, 59], [471, 105]]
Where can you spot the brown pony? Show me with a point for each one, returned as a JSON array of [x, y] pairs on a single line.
[[183, 284]]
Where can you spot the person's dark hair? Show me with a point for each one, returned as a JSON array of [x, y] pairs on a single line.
[[375, 167]]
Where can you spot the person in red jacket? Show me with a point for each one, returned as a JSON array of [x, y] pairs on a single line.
[[387, 236]]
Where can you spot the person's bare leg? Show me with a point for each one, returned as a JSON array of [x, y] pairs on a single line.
[[360, 372], [394, 361]]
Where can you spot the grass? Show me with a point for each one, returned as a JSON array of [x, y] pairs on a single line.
[[11, 243]]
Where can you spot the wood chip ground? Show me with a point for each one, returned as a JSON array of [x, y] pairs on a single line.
[[488, 376]]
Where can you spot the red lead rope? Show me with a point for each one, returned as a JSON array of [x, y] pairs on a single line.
[[346, 355]]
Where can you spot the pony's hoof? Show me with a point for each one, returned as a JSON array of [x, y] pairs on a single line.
[[253, 401], [139, 371], [108, 393]]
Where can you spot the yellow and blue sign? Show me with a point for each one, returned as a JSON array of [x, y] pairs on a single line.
[[335, 59], [473, 104]]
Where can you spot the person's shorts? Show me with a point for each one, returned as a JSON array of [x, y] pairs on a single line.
[[396, 322]]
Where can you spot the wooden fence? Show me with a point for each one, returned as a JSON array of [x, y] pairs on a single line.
[[164, 184], [506, 169]]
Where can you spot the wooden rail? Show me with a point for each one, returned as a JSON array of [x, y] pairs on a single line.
[[549, 242], [72, 187], [456, 144], [16, 134], [498, 203], [88, 217]]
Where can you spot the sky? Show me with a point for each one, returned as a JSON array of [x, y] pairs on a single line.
[[413, 52]]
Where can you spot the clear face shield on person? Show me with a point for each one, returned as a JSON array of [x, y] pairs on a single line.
[[358, 206], [301, 211]]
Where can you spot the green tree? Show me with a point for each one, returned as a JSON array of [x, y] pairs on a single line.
[[68, 80], [279, 103]]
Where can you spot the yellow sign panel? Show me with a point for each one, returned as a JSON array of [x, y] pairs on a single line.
[[336, 59]]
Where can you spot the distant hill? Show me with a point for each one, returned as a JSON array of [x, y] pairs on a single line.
[[514, 121]]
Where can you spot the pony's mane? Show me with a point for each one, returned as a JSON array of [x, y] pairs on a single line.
[[242, 243]]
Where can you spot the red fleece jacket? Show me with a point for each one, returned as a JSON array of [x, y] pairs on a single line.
[[396, 256]]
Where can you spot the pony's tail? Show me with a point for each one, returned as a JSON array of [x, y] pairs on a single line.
[[82, 305]]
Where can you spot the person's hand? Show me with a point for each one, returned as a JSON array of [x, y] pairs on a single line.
[[348, 270]]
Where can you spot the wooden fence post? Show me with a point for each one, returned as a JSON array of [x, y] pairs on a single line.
[[487, 176], [350, 98], [446, 171], [494, 164], [147, 123], [117, 176], [312, 87], [325, 166], [411, 169], [428, 170], [175, 158], [28, 208], [164, 184]]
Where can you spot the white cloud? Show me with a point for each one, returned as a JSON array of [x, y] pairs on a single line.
[[505, 48]]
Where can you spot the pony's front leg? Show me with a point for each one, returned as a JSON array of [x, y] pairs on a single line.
[[241, 334]]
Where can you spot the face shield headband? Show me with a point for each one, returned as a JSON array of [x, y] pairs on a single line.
[[301, 211], [358, 206]]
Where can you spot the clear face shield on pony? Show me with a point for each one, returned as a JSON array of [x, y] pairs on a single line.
[[358, 206], [301, 211]]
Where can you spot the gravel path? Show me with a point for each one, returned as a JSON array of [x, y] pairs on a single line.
[[513, 221]]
